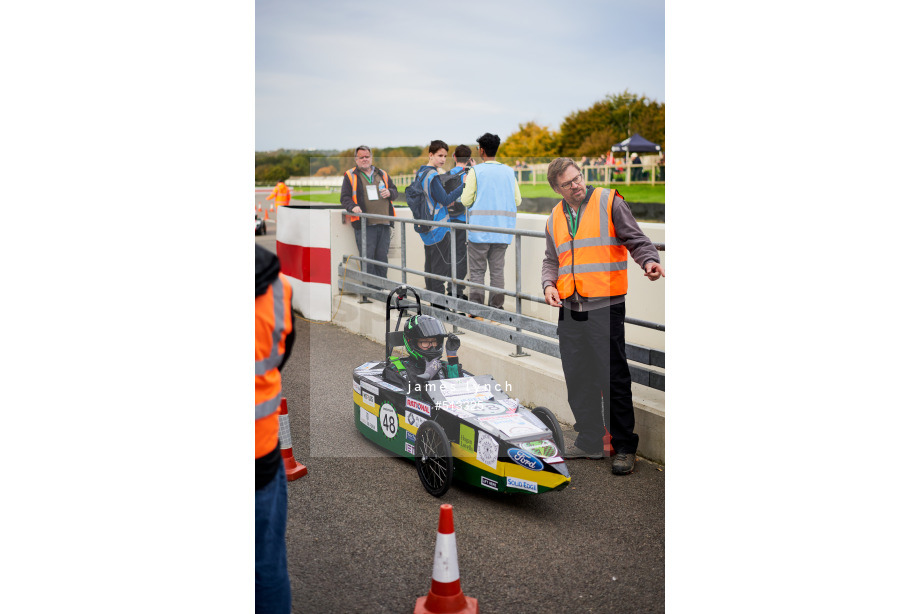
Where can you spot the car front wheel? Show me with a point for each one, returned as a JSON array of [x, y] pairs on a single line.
[[433, 458]]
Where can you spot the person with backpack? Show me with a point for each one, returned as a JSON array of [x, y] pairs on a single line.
[[429, 201], [368, 189], [492, 195], [457, 212]]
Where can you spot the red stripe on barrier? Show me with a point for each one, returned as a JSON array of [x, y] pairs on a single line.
[[311, 264]]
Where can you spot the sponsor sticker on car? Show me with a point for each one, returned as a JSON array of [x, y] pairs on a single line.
[[487, 450], [410, 437], [356, 386], [467, 439], [368, 419], [369, 399], [413, 419], [525, 459], [488, 483], [418, 406], [410, 448], [521, 484], [542, 448]]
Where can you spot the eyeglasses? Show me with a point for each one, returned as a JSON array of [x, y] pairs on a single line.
[[568, 184], [427, 343]]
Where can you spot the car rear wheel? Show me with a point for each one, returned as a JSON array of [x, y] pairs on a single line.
[[433, 459], [547, 418]]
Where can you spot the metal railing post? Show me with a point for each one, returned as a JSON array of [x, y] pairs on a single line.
[[364, 298], [518, 350], [402, 236], [453, 272]]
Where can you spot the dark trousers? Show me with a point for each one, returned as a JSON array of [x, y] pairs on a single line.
[[437, 261], [461, 259], [378, 244], [592, 345]]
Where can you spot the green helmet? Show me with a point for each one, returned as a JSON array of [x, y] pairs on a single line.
[[423, 327]]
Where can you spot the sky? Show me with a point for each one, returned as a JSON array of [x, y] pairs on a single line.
[[333, 75]]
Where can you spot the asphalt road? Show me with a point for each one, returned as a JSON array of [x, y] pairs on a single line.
[[362, 530]]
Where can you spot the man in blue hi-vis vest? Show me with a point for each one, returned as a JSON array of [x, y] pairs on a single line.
[[492, 196]]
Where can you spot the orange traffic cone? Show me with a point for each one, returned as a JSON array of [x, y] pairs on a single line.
[[445, 596], [292, 468], [608, 447]]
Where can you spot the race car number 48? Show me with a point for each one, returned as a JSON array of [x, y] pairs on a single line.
[[389, 423]]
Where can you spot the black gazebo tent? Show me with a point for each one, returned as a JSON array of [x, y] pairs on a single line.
[[636, 143]]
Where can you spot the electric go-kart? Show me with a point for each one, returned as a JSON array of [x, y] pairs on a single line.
[[463, 428]]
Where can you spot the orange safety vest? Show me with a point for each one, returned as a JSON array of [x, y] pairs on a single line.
[[281, 194], [353, 178], [594, 263], [273, 324]]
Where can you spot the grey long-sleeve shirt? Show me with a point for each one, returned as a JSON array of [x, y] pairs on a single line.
[[637, 244]]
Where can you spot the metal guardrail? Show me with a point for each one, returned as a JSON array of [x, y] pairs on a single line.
[[510, 327]]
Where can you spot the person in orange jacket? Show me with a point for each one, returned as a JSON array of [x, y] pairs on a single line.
[[281, 195], [274, 338], [589, 235]]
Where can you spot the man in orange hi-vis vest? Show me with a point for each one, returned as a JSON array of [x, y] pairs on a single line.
[[281, 195], [274, 339], [589, 235], [368, 189]]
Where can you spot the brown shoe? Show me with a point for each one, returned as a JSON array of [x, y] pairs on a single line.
[[623, 463]]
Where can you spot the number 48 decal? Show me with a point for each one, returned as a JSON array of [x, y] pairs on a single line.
[[389, 421]]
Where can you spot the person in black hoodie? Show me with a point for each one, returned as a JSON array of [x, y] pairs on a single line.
[[274, 338]]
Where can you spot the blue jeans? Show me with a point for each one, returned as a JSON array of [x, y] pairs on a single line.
[[273, 588]]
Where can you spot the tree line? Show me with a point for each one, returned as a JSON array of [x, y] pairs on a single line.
[[586, 132]]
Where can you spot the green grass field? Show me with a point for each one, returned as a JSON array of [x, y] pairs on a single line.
[[640, 193]]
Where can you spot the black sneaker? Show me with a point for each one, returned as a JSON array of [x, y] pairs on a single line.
[[623, 463], [574, 451]]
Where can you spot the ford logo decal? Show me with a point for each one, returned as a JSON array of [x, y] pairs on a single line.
[[525, 459]]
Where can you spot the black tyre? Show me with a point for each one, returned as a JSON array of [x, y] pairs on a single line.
[[547, 418], [433, 459]]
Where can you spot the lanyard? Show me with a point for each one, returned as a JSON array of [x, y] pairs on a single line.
[[571, 217]]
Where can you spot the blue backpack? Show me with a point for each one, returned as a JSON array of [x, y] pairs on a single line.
[[417, 200]]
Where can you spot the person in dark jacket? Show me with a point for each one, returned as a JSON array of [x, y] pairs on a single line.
[[457, 213]]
